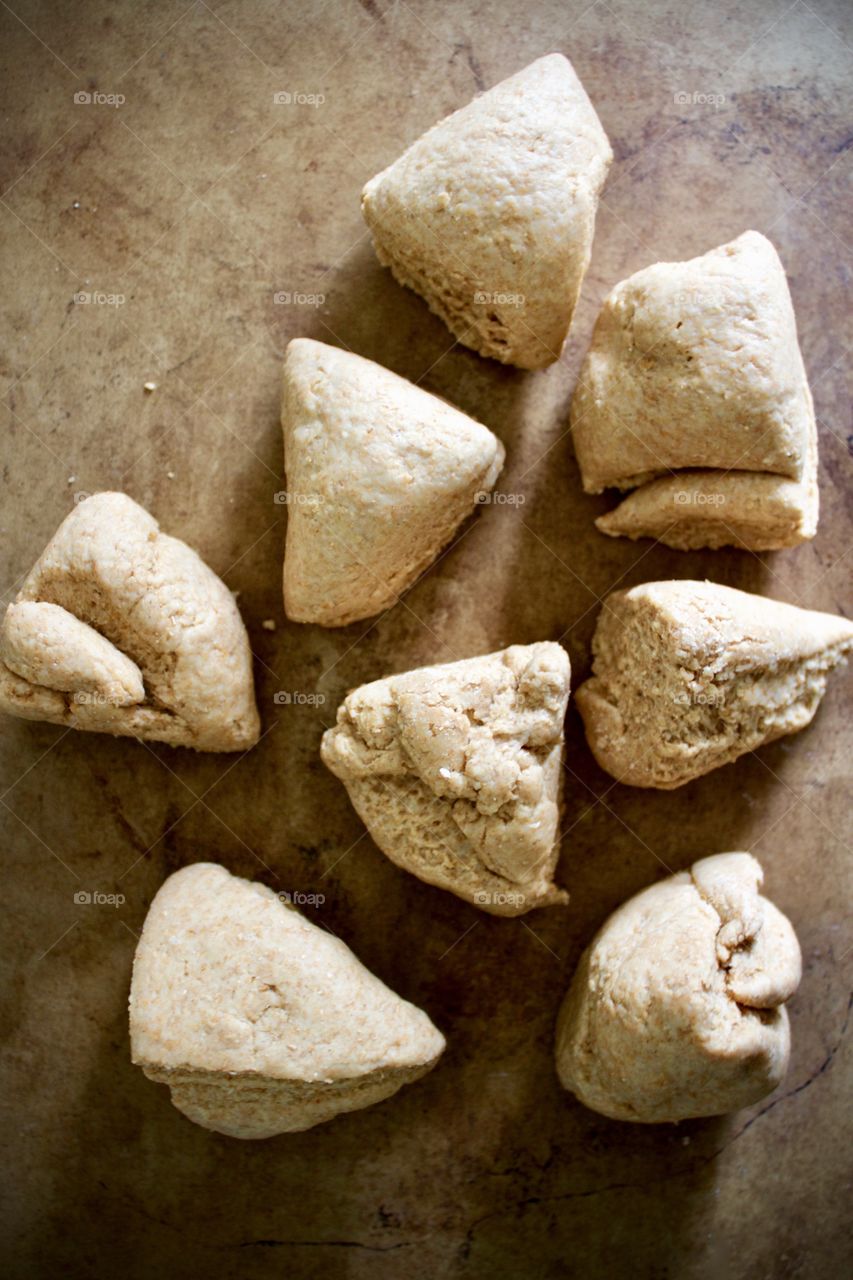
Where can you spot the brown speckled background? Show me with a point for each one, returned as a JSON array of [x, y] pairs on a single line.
[[197, 199]]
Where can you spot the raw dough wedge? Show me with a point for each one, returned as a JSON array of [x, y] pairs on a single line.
[[121, 629], [694, 388], [380, 475], [490, 215], [678, 1006], [456, 771], [677, 1009], [757, 512], [260, 1022], [690, 675]]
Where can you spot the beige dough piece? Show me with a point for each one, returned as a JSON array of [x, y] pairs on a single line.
[[747, 509], [121, 629], [490, 215], [456, 771], [259, 1021], [677, 1009], [695, 368], [46, 645], [380, 474], [690, 675]]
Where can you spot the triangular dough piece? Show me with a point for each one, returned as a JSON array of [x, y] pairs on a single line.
[[121, 629], [260, 1022], [457, 772], [380, 474], [490, 215], [757, 512], [677, 1008], [690, 675], [697, 365]]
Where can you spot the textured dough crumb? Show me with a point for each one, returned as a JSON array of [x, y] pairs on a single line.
[[688, 676], [456, 770]]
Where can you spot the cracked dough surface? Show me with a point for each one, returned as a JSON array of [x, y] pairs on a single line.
[[688, 676], [259, 1021], [121, 629], [694, 389], [380, 475], [456, 770], [490, 215], [677, 1009]]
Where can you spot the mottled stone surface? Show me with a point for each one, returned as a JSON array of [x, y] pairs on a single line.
[[198, 199]]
